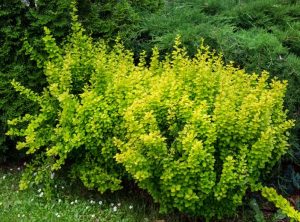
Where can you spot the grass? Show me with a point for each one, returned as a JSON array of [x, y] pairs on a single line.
[[69, 204]]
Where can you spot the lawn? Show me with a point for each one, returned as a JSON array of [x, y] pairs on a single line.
[[69, 204]]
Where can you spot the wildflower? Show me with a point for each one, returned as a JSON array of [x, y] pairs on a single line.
[[100, 202], [34, 174], [59, 200], [3, 177], [39, 190], [92, 202], [93, 215], [62, 187], [119, 204], [41, 194], [76, 201], [10, 169], [19, 168], [130, 207], [52, 176], [19, 215], [112, 204], [115, 208], [87, 207], [55, 186], [72, 203]]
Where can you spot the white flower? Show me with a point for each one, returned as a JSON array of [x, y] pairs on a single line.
[[72, 203], [3, 177], [41, 194], [23, 215], [93, 215], [100, 202], [92, 202], [24, 163], [115, 208], [19, 168], [76, 201], [10, 169], [112, 204], [62, 187], [59, 200], [52, 176], [130, 207], [39, 190], [119, 204], [32, 199], [19, 215], [55, 186], [34, 174], [87, 207]]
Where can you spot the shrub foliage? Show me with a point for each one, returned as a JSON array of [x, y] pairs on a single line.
[[257, 35], [195, 133], [21, 31]]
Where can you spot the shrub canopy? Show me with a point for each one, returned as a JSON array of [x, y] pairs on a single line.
[[21, 46]]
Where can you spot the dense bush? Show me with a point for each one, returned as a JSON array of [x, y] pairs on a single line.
[[195, 133], [21, 31], [80, 112], [256, 35], [202, 134]]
